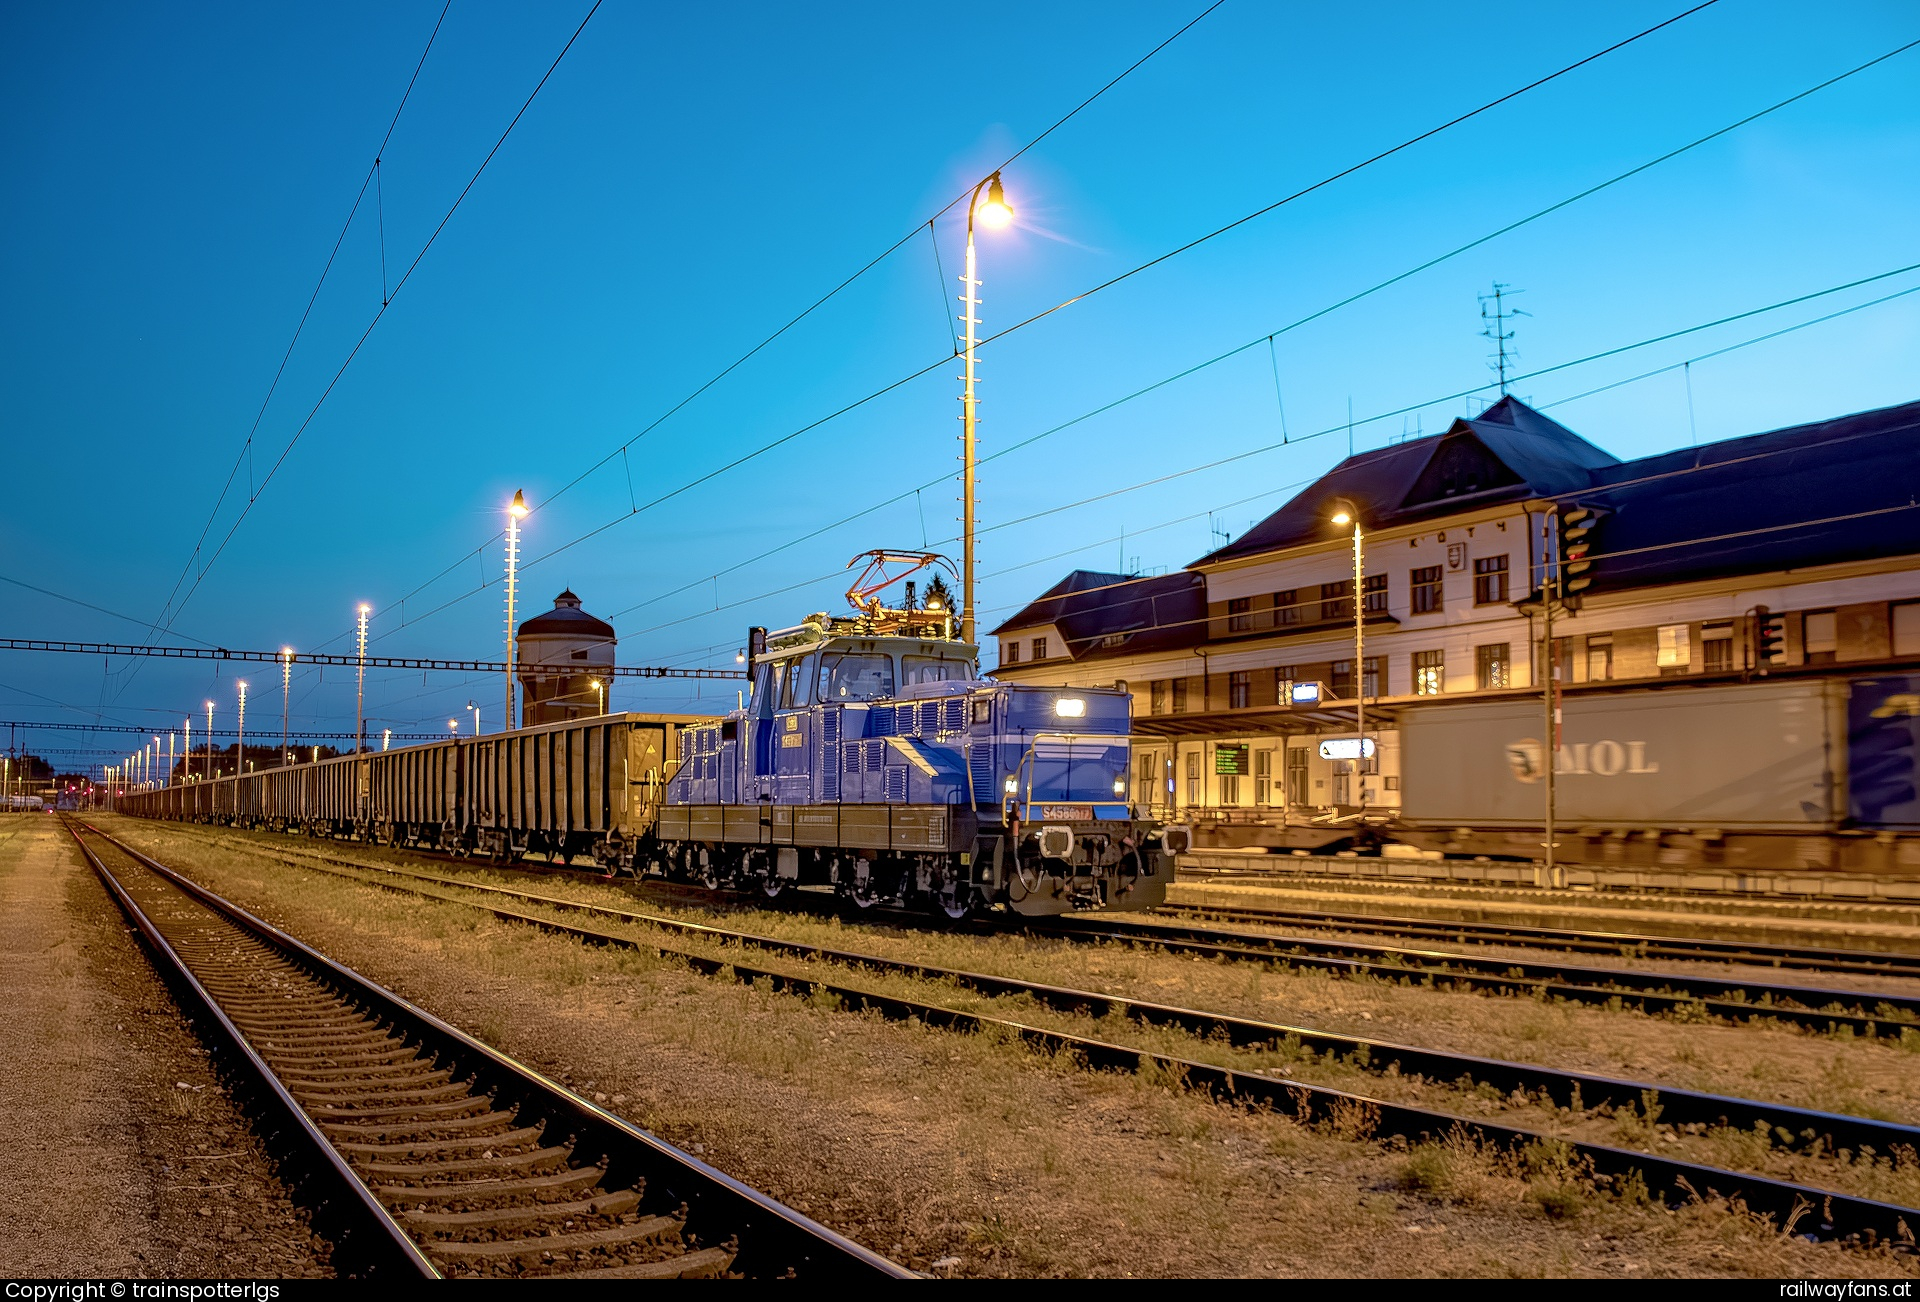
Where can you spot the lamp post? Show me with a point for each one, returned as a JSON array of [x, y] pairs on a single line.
[[1345, 513], [994, 212], [386, 735], [240, 748], [186, 749], [360, 692], [170, 736], [210, 773], [516, 512], [453, 727], [476, 717], [286, 697], [600, 696]]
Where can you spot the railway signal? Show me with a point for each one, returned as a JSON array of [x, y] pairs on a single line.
[[1769, 639], [1576, 546]]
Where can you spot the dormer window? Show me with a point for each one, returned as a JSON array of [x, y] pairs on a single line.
[[1039, 648]]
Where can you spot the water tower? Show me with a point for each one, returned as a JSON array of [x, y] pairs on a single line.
[[562, 654]]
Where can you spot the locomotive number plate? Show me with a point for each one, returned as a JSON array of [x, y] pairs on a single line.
[[1067, 813]]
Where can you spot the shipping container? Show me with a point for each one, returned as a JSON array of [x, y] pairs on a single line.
[[1763, 756]]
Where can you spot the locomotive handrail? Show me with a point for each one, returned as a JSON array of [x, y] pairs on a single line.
[[1033, 743]]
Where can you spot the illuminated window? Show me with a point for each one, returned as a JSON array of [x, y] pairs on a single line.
[[1492, 666], [1675, 653], [1429, 673], [1822, 640]]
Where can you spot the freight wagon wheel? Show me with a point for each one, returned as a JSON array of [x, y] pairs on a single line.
[[773, 886], [955, 903]]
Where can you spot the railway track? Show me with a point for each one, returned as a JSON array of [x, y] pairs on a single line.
[[437, 1155], [1839, 1214], [1819, 1009], [1642, 945]]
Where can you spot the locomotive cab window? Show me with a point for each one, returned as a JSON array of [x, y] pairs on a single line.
[[856, 678], [933, 669], [793, 691]]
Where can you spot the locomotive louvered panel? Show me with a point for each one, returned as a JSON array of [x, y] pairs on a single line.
[[826, 754], [980, 764], [880, 721], [873, 756], [929, 723], [953, 714], [896, 783]]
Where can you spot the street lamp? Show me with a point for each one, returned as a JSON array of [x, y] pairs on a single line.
[[995, 213], [476, 716], [240, 748], [286, 695], [386, 735], [600, 693], [186, 750], [360, 692], [1345, 512], [453, 727], [210, 772], [515, 514]]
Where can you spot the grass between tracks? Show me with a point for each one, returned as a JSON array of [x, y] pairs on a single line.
[[959, 1146]]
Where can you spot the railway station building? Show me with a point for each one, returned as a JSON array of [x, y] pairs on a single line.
[[1779, 553]]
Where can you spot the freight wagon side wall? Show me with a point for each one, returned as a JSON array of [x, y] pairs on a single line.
[[1759, 756]]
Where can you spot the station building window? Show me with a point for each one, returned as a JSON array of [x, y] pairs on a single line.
[[1493, 666], [1336, 600], [1157, 693], [1374, 595], [1429, 673], [1239, 689], [1716, 648], [1239, 614], [1039, 648], [1600, 658], [1286, 608], [1822, 640], [1424, 589], [1179, 696], [1283, 684], [1341, 684], [1193, 778], [1674, 653], [1489, 580], [1906, 629], [1010, 654]]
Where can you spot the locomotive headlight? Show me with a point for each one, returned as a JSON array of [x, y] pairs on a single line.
[[1070, 707], [1012, 786], [1119, 786]]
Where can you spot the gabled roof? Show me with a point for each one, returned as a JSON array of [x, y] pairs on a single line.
[[1818, 494], [1509, 452], [1101, 613]]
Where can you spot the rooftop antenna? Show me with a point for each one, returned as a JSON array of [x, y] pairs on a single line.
[[1217, 531], [1504, 357]]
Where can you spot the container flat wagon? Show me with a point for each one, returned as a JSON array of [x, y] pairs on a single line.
[[1809, 773]]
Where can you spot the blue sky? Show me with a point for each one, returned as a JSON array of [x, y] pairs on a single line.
[[692, 176]]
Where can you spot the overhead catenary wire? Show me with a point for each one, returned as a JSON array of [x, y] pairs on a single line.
[[782, 440], [1389, 414], [400, 284]]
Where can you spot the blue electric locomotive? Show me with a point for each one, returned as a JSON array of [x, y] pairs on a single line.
[[870, 756]]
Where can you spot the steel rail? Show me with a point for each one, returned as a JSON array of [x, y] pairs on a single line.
[[1647, 945], [775, 1240], [1814, 1008], [1849, 1214], [371, 1236], [1808, 1007]]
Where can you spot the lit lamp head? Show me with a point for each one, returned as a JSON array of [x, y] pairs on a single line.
[[518, 510], [994, 211], [1343, 512]]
